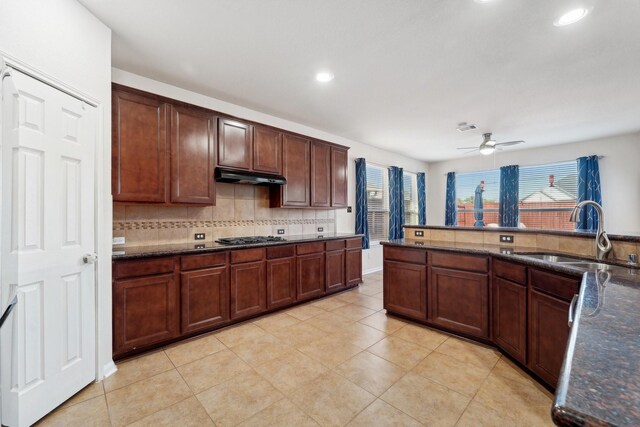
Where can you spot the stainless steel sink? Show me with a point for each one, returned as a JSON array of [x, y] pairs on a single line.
[[553, 258], [589, 265]]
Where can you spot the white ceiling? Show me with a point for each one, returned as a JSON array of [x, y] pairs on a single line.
[[406, 71]]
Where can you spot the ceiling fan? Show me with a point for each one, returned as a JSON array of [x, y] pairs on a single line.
[[489, 145]]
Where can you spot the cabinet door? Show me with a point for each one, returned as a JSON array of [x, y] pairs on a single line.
[[204, 298], [145, 311], [281, 282], [548, 335], [459, 301], [405, 289], [138, 148], [234, 144], [267, 150], [510, 317], [335, 263], [295, 168], [248, 289], [320, 174], [192, 156], [339, 171], [310, 276], [353, 266]]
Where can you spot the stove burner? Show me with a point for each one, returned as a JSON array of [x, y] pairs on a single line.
[[249, 240]]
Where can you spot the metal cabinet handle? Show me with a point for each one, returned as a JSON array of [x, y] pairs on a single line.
[[572, 307]]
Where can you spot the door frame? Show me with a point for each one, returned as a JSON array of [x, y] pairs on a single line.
[[103, 207]]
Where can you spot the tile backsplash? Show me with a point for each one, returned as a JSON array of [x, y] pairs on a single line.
[[241, 210]]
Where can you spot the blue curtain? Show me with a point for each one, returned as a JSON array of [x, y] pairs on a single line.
[[451, 207], [588, 189], [422, 199], [362, 226], [396, 203], [508, 212]]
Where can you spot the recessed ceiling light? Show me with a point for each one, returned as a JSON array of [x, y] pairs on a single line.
[[571, 17], [324, 76]]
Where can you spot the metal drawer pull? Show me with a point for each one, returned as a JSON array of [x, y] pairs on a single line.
[[571, 309], [13, 300]]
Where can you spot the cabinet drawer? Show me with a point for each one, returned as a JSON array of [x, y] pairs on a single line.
[[247, 255], [193, 262], [143, 267], [281, 252], [460, 262], [513, 272], [553, 284], [335, 245], [354, 243], [310, 248], [417, 256]]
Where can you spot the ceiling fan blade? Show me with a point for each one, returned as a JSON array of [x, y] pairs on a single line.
[[471, 151], [467, 148], [508, 143]]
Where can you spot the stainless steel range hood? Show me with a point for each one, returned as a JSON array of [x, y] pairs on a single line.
[[246, 177]]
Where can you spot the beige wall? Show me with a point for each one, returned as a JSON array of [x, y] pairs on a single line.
[[241, 210]]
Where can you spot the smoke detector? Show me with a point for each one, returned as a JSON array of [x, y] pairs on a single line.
[[465, 127]]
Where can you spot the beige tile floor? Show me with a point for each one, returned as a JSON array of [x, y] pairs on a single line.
[[333, 362]]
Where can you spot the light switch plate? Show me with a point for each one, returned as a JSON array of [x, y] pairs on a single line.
[[280, 230], [199, 236], [118, 240], [506, 238], [320, 229]]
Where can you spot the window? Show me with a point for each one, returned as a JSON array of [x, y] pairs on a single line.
[[378, 202], [466, 186], [548, 194], [410, 184]]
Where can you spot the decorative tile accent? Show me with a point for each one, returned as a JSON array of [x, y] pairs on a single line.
[[158, 225]]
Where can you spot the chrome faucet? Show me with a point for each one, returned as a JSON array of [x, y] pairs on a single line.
[[603, 244]]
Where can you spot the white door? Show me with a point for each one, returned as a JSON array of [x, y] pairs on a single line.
[[47, 349]]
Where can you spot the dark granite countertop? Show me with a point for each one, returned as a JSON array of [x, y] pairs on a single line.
[[204, 247], [600, 380], [631, 236]]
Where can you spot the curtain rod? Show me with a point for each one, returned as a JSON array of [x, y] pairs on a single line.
[[488, 170]]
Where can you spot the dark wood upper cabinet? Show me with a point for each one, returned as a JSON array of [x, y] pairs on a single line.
[[405, 288], [234, 144], [339, 172], [267, 150], [296, 169], [320, 175], [192, 156], [459, 301], [204, 298], [510, 317], [145, 311], [138, 148]]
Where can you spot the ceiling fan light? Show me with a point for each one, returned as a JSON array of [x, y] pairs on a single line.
[[571, 17], [486, 149]]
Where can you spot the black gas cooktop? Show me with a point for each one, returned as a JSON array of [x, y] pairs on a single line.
[[249, 240]]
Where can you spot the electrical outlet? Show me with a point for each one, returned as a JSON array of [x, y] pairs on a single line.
[[118, 240], [348, 209], [199, 236], [419, 233], [506, 251], [320, 236], [280, 230], [418, 243], [506, 238], [320, 229]]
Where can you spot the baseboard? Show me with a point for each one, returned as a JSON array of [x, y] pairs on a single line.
[[372, 270], [109, 369]]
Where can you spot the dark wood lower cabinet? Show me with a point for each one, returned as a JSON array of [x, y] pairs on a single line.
[[548, 335], [335, 263], [353, 266], [310, 276], [510, 318], [459, 301], [145, 311], [248, 289], [204, 298], [281, 282], [405, 289]]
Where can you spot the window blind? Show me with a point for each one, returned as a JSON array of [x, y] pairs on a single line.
[[377, 202], [410, 183]]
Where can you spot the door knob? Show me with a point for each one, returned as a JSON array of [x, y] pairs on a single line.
[[90, 258]]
